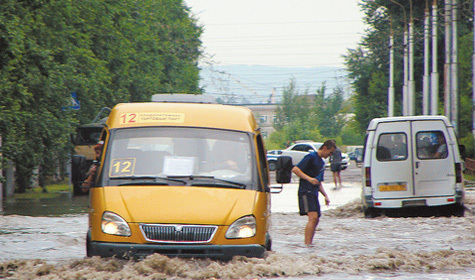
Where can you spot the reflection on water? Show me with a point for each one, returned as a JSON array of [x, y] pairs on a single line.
[[63, 204]]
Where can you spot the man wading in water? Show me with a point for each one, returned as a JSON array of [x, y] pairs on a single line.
[[310, 171]]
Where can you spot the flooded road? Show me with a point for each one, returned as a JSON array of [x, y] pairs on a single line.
[[346, 245]]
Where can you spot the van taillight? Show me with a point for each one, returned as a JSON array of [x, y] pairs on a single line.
[[458, 173], [368, 176]]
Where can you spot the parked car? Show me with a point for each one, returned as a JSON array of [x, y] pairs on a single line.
[[357, 156], [272, 158], [274, 152], [272, 162], [352, 155], [299, 150]]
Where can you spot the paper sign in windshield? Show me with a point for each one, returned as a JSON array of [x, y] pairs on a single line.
[[178, 166]]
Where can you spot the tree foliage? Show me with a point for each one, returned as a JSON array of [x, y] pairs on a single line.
[[326, 112], [293, 107], [368, 64], [306, 116], [106, 51]]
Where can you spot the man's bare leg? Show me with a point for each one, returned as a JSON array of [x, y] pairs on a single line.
[[311, 226], [339, 178], [335, 180]]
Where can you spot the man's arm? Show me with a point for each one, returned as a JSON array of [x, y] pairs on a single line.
[[322, 190], [297, 171]]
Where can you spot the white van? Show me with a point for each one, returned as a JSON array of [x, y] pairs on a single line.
[[412, 161]]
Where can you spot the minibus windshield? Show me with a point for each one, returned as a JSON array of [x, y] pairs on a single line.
[[180, 156]]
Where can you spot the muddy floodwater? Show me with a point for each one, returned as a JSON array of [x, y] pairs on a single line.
[[46, 240]]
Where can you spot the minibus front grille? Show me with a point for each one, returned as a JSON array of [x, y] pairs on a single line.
[[178, 233]]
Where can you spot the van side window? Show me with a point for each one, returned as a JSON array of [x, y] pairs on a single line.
[[392, 146], [431, 145]]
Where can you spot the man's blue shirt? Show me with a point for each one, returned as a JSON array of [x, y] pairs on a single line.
[[314, 166]]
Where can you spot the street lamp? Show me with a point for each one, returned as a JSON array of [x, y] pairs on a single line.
[[383, 10], [405, 91]]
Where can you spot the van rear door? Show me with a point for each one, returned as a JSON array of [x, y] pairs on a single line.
[[391, 161], [422, 168], [434, 172]]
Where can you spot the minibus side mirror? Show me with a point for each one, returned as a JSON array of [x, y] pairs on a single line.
[[276, 189], [283, 171]]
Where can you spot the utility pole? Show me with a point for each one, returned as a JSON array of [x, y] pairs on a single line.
[[391, 71], [425, 78], [405, 63], [447, 68], [1, 176], [405, 94], [473, 79], [454, 101], [434, 77], [411, 83]]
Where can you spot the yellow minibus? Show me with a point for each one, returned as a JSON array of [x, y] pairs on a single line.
[[182, 177]]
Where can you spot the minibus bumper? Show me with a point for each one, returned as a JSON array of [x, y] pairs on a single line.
[[139, 251]]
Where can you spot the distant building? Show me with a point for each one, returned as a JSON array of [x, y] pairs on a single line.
[[265, 115]]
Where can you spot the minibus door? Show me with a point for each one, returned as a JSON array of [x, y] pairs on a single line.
[[391, 166], [433, 173]]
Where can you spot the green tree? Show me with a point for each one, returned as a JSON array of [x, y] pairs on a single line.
[[307, 117], [294, 130], [326, 112], [107, 52], [293, 107], [368, 64]]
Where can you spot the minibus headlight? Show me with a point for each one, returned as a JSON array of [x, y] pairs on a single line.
[[242, 228], [114, 224]]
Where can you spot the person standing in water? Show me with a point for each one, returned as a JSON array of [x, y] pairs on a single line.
[[308, 170], [335, 167]]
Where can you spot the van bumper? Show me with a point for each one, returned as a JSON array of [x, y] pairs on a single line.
[[371, 202], [139, 251]]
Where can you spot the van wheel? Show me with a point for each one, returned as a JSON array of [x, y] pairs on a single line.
[[371, 212], [458, 210]]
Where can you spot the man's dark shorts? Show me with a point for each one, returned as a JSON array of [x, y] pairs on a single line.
[[308, 202], [335, 167]]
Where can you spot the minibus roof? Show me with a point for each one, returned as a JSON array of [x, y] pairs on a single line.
[[182, 114], [374, 122], [184, 98]]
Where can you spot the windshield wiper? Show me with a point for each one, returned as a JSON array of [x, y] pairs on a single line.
[[215, 181], [157, 180]]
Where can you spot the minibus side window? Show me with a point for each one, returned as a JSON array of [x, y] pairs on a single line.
[[431, 145], [104, 136], [391, 147]]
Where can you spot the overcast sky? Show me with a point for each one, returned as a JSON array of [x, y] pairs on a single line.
[[288, 33]]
